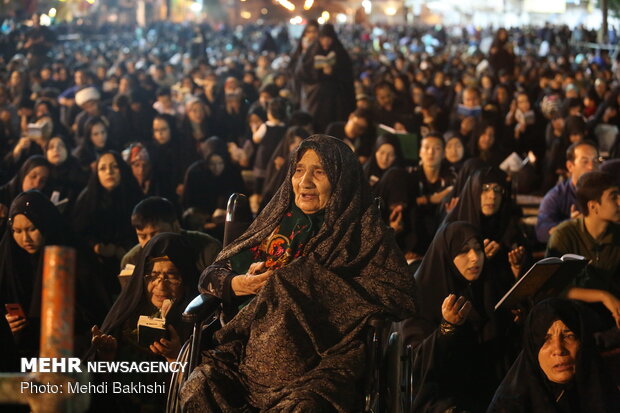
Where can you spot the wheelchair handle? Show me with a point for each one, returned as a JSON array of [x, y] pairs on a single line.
[[200, 308]]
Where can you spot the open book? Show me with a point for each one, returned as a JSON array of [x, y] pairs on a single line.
[[546, 278], [151, 329], [321, 61], [408, 141], [514, 163]]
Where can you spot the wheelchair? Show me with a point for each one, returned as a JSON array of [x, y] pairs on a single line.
[[385, 385]]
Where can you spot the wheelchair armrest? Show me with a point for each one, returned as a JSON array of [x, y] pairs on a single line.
[[200, 308]]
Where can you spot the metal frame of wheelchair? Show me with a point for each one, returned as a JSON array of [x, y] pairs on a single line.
[[387, 386]]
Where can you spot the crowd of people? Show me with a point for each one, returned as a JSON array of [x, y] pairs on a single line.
[[382, 165]]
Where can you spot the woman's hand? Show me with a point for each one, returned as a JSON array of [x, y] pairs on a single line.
[[168, 348], [490, 248], [16, 323], [515, 258], [437, 197], [253, 281], [455, 311], [105, 344], [396, 218], [22, 145]]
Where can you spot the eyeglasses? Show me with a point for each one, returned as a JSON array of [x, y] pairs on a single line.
[[171, 280], [495, 188]]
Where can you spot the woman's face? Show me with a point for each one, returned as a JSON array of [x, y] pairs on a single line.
[[385, 156], [161, 131], [502, 95], [108, 172], [454, 150], [470, 260], [36, 178], [295, 143], [310, 183], [254, 121], [431, 151], [196, 113], [216, 165], [26, 235], [163, 283], [491, 198], [99, 135], [311, 33], [56, 151], [487, 139], [326, 42], [558, 355]]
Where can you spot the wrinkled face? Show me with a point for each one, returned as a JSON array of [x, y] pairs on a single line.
[[385, 156], [586, 160], [385, 97], [454, 150], [164, 283], [26, 235], [609, 207], [491, 198], [311, 185], [470, 260], [56, 151], [161, 131], [196, 113], [150, 230], [36, 178], [141, 170], [487, 139], [216, 165], [326, 42], [558, 355], [431, 151], [99, 135], [108, 172]]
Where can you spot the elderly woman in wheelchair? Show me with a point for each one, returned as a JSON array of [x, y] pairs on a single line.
[[316, 264]]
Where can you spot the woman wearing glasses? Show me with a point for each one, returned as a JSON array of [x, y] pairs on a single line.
[[485, 203], [163, 283]]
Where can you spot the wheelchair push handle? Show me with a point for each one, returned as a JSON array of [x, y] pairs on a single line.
[[200, 308]]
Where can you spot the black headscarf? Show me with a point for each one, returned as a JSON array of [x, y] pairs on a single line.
[[468, 208], [371, 168], [105, 216], [526, 387], [21, 272], [11, 189], [182, 255]]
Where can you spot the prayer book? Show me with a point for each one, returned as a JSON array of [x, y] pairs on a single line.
[[408, 141], [321, 61], [151, 329], [546, 278]]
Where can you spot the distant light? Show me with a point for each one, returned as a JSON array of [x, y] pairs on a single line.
[[286, 4], [195, 7], [246, 15], [320, 20], [341, 18], [390, 11], [296, 20], [52, 12], [308, 4], [244, 0], [90, 1], [45, 20], [325, 15], [367, 5], [264, 11]]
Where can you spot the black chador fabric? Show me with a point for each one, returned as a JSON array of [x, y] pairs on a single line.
[[526, 387], [461, 369], [328, 98], [11, 189], [21, 273], [68, 179], [298, 345]]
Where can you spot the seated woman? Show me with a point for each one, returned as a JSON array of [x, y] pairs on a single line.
[[321, 262], [67, 178], [559, 369], [163, 283], [462, 347], [94, 144], [34, 224], [102, 213], [485, 203]]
